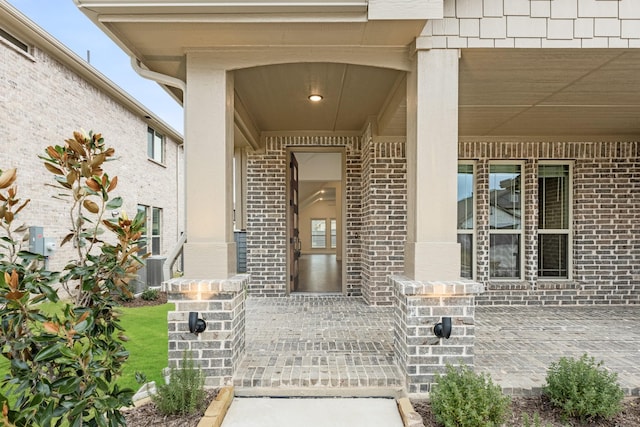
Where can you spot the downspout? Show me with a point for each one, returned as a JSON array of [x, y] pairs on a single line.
[[179, 84]]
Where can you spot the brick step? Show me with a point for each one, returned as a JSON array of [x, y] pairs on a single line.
[[327, 370]]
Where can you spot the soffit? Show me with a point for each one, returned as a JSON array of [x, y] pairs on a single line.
[[550, 93]]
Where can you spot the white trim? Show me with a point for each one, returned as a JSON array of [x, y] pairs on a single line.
[[568, 232], [474, 229], [519, 231]]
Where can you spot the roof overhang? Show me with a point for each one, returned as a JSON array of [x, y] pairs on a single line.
[[160, 32]]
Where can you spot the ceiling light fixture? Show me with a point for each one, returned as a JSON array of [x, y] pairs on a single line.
[[315, 98]]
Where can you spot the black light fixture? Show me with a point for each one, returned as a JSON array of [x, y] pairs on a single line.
[[196, 325], [443, 329]]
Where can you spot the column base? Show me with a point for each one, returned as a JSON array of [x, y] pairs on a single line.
[[419, 306], [221, 304]]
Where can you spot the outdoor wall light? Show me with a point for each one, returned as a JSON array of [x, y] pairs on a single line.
[[196, 325], [443, 329]]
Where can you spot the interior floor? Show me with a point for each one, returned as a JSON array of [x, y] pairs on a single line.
[[319, 273]]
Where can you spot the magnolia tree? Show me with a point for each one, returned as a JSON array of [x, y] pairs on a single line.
[[64, 359]]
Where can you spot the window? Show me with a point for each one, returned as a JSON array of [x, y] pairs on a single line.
[[155, 145], [14, 41], [505, 224], [466, 218], [333, 233], [553, 221], [153, 221], [142, 243], [318, 233], [156, 231]]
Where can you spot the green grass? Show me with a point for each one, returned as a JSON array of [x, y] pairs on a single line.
[[148, 345], [146, 328]]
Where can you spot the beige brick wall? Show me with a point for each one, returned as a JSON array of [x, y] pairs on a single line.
[[41, 103], [537, 23]]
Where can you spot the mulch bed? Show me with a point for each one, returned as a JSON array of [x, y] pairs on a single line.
[[548, 415], [148, 415], [139, 302]]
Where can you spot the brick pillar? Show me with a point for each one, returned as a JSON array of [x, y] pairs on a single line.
[[221, 303], [418, 307]]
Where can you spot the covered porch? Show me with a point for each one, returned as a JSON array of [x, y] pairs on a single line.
[[405, 97]]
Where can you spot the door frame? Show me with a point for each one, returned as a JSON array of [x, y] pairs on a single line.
[[340, 149]]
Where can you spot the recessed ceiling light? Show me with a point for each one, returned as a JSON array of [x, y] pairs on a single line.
[[315, 98]]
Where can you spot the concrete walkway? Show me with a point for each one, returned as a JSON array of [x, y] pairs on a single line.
[[266, 412]]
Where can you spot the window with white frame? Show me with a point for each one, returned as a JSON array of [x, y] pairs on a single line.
[[155, 145], [505, 221], [554, 219], [14, 41], [318, 233], [334, 229], [466, 218], [151, 239]]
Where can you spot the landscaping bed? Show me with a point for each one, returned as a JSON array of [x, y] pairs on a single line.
[[148, 415], [549, 416]]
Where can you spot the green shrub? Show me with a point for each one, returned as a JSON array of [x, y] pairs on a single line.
[[583, 389], [463, 398], [527, 422], [150, 294], [185, 392], [64, 365]]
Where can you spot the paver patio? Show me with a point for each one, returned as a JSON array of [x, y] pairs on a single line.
[[335, 342], [516, 344]]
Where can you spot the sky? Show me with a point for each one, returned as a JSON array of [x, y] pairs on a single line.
[[63, 20]]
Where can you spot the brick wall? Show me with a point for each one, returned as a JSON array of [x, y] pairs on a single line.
[[606, 199], [219, 349], [42, 102], [267, 213], [384, 213], [536, 24]]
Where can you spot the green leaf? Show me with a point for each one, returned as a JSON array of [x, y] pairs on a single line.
[[48, 353], [66, 385], [114, 203]]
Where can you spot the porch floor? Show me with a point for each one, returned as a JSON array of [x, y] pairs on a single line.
[[323, 342], [327, 344], [516, 345]]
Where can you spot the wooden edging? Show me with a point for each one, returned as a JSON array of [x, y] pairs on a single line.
[[216, 411], [410, 418]]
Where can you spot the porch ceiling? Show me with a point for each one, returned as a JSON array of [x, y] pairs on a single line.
[[504, 93]]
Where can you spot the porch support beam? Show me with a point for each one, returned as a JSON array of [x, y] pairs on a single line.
[[210, 251], [432, 252]]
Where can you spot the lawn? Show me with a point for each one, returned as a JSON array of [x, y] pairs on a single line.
[[146, 328], [148, 345]]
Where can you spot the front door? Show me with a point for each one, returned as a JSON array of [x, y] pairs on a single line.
[[294, 228]]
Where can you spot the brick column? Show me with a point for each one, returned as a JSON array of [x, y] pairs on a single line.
[[221, 303], [418, 307]]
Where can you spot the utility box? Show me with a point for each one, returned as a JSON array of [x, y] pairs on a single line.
[[36, 240], [154, 270]]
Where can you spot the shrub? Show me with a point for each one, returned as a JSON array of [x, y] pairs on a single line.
[[185, 392], [463, 398], [64, 365], [150, 294], [583, 389]]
